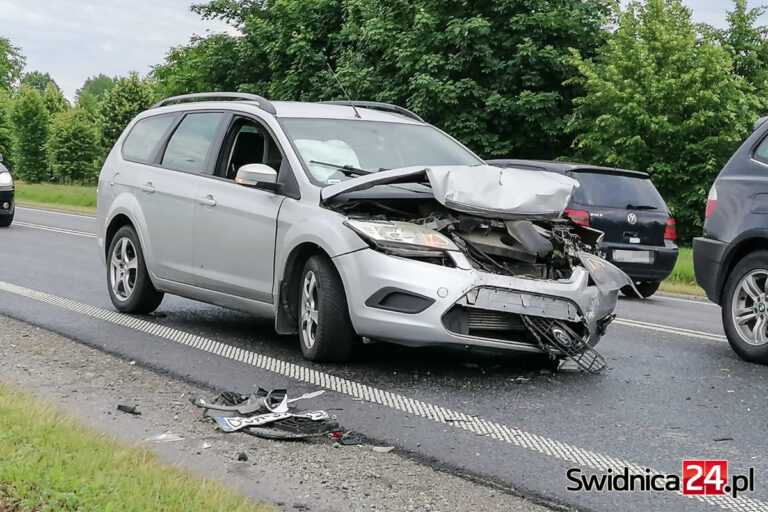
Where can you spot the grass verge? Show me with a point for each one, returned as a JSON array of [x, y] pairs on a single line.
[[48, 462], [76, 198], [682, 279]]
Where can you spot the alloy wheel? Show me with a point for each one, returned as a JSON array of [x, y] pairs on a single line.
[[749, 308], [123, 268], [309, 309]]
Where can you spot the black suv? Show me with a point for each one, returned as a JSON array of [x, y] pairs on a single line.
[[731, 258], [639, 231]]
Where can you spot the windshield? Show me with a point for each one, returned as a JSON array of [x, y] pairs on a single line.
[[616, 191], [327, 144]]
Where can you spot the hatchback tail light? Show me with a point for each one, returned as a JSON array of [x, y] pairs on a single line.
[[670, 232], [579, 217], [711, 202]]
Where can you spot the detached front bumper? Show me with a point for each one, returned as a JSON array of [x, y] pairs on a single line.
[[416, 303]]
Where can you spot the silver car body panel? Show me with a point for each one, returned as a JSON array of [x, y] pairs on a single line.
[[237, 257]]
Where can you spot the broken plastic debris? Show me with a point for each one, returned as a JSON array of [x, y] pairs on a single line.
[[242, 457], [206, 446], [383, 449], [129, 409], [164, 438]]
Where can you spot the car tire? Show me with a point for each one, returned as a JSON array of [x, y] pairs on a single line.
[[745, 296], [6, 221], [128, 282], [646, 289], [325, 330]]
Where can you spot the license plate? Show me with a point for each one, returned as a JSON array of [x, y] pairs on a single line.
[[632, 256]]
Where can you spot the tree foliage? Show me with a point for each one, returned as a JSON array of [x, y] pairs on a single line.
[[29, 119], [54, 100], [662, 99], [748, 45], [490, 73], [11, 64], [73, 147], [37, 80], [6, 132], [97, 86], [127, 98]]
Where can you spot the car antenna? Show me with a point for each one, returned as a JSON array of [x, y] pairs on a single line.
[[351, 103]]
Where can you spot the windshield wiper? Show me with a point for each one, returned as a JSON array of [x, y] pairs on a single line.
[[346, 169], [641, 207]]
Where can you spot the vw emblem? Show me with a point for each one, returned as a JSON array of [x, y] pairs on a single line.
[[562, 338], [632, 218]]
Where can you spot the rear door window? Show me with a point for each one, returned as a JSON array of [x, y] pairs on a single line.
[[616, 191], [761, 153], [190, 145], [145, 137]]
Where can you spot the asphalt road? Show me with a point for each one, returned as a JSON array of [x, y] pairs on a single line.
[[674, 390]]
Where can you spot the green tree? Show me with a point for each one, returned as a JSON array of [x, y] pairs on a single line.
[[490, 73], [748, 44], [663, 99], [29, 119], [11, 64], [54, 100], [73, 147], [127, 98], [98, 86], [6, 132], [37, 80]]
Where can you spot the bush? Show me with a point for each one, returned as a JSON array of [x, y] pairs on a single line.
[[29, 119], [73, 147]]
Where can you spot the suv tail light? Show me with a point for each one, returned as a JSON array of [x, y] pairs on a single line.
[[579, 217], [711, 202], [670, 232]]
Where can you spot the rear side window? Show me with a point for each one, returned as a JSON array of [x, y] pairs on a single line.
[[761, 153], [616, 191], [145, 136], [191, 143]]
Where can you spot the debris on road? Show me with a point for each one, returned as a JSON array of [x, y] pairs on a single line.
[[242, 457], [267, 414], [167, 437], [383, 449], [129, 409], [720, 439]]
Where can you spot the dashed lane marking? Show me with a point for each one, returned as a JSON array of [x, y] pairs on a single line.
[[680, 331], [448, 417], [54, 212]]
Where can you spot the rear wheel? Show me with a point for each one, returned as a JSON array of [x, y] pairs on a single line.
[[128, 282], [745, 308], [5, 221], [325, 329], [646, 289]]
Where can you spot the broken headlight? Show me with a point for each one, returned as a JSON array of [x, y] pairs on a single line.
[[402, 238]]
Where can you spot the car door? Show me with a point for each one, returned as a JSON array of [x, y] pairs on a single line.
[[235, 226], [166, 194]]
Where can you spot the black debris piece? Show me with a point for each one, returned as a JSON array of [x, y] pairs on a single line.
[[129, 409], [242, 457]]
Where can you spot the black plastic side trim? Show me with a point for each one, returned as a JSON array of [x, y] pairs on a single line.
[[400, 301]]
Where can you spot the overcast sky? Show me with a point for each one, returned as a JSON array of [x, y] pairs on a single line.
[[75, 39]]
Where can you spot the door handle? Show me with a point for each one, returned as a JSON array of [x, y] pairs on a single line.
[[148, 187], [207, 200]]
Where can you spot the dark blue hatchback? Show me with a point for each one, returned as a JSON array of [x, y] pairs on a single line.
[[639, 230]]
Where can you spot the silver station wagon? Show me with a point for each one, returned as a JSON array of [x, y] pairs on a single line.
[[348, 221]]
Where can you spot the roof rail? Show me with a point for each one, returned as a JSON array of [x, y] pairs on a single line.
[[376, 105], [264, 103]]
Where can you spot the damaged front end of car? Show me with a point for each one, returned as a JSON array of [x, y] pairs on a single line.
[[504, 267]]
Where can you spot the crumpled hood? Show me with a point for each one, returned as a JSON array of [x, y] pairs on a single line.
[[481, 190]]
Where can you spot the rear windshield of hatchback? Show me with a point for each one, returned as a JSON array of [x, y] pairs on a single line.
[[616, 191]]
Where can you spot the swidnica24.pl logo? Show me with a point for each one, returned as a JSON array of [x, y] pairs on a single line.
[[699, 477]]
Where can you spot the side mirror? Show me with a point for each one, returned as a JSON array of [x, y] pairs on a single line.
[[257, 176]]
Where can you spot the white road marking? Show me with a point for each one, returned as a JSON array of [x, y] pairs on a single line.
[[670, 330], [448, 417], [55, 212], [690, 301], [63, 231]]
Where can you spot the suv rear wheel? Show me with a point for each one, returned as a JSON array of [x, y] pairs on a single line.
[[128, 281], [325, 329], [745, 308]]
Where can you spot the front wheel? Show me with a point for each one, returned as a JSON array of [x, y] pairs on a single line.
[[325, 329], [6, 220], [129, 285], [745, 308]]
